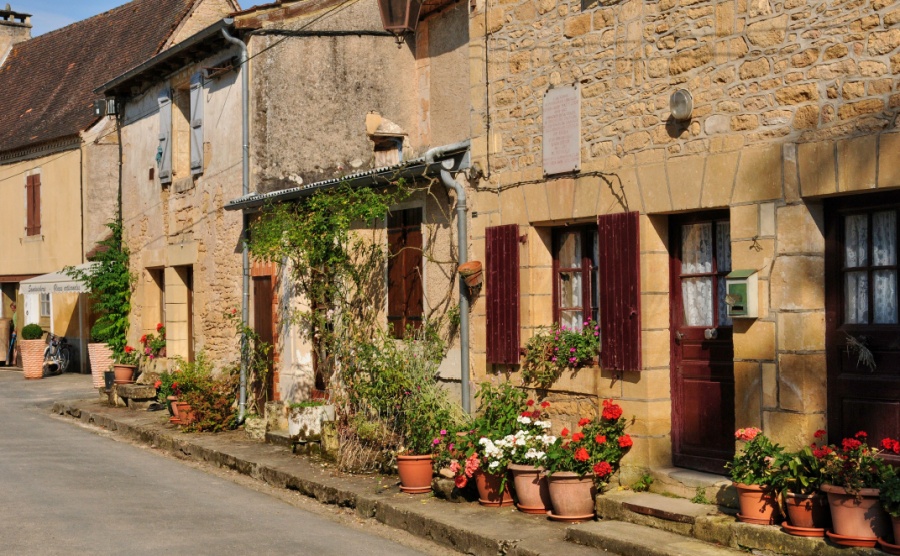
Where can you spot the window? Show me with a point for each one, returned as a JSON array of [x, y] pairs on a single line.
[[869, 274], [705, 261], [45, 305], [180, 150], [33, 205], [405, 295], [575, 261]]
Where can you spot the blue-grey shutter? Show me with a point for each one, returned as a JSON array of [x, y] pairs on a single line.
[[197, 124], [164, 151]]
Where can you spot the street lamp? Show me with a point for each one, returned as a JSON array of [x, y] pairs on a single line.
[[400, 16]]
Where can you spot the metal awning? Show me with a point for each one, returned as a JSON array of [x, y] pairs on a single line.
[[55, 282], [410, 169]]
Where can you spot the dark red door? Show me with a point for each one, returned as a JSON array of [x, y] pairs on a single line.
[[702, 349], [263, 296], [861, 316]]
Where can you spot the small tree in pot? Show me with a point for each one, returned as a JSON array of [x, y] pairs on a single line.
[[32, 348]]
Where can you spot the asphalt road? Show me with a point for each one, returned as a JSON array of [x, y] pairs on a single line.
[[65, 489]]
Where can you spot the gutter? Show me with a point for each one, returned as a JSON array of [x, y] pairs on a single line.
[[245, 190]]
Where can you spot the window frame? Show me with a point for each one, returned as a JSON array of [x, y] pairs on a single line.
[[590, 287], [44, 300], [870, 268]]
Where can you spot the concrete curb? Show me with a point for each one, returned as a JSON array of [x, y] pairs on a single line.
[[465, 527]]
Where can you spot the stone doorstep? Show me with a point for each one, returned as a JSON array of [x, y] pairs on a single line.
[[468, 528], [706, 524], [638, 540]]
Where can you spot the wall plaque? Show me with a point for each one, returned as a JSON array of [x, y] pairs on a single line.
[[562, 130]]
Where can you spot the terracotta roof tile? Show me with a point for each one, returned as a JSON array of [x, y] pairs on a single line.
[[46, 83]]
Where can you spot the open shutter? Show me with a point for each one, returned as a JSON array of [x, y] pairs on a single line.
[[405, 291], [29, 205], [620, 291], [197, 124], [36, 206], [164, 151], [502, 283]]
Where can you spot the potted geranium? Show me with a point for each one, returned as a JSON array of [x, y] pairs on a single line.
[[853, 475], [527, 455], [889, 493], [125, 364], [581, 462], [798, 477], [32, 347], [753, 477]]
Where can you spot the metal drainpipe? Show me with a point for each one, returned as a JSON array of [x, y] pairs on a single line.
[[245, 255], [463, 235]]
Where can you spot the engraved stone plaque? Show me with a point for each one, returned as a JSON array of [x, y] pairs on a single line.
[[562, 130]]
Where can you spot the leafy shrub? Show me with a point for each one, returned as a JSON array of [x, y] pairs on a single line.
[[551, 351], [753, 464], [32, 332], [212, 398]]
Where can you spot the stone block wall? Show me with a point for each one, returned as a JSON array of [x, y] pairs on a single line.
[[793, 101]]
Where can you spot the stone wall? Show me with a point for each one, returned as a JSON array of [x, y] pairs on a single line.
[[793, 100]]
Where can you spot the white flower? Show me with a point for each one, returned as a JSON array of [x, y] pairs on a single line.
[[493, 464]]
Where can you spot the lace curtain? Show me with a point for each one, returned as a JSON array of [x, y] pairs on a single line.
[[697, 257], [856, 256]]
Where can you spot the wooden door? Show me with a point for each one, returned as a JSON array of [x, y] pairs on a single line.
[[702, 349], [861, 317], [263, 296]]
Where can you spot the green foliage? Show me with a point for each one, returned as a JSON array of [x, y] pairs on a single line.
[[700, 496], [889, 492], [110, 285], [596, 450], [753, 464], [498, 408], [642, 484], [306, 403], [212, 397], [854, 464], [256, 353], [32, 332], [553, 350], [800, 472], [128, 356]]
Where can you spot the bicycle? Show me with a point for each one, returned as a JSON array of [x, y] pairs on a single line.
[[57, 355]]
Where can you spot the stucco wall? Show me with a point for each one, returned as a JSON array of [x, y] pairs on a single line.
[[792, 101], [184, 224], [101, 181]]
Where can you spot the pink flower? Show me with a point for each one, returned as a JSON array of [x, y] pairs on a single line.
[[443, 432], [454, 467], [436, 441]]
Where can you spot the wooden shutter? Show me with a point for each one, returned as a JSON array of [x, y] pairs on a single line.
[[405, 291], [164, 151], [197, 124], [502, 283], [620, 291], [33, 205]]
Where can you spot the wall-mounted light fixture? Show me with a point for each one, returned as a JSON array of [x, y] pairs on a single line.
[[400, 16], [681, 104]]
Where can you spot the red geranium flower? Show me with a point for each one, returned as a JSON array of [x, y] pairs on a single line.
[[564, 432], [819, 433], [545, 405], [582, 455], [861, 434], [460, 481], [529, 403], [128, 349], [157, 384], [577, 437], [850, 444], [525, 414], [891, 444], [536, 414], [611, 411], [583, 421], [602, 469], [144, 339], [159, 326], [625, 441], [600, 439]]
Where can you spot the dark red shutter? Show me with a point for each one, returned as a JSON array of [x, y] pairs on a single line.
[[620, 291], [405, 292], [502, 283], [36, 223]]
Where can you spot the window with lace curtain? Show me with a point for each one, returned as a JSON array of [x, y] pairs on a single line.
[[870, 267]]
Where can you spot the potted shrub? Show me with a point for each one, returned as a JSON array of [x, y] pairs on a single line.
[[753, 476], [889, 494], [125, 363], [798, 477], [583, 462], [32, 348], [853, 475], [528, 453]]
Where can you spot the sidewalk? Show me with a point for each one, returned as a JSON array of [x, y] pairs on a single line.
[[639, 524]]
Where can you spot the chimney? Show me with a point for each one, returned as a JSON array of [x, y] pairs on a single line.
[[15, 27]]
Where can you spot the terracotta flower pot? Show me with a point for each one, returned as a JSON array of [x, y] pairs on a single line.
[[572, 496], [32, 358], [184, 413], [488, 485], [532, 492], [124, 373], [758, 504], [101, 358], [415, 473], [860, 517], [809, 511]]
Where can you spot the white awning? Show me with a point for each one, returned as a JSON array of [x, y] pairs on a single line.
[[55, 282]]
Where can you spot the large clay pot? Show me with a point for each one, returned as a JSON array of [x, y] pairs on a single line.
[[124, 373], [32, 358], [572, 496], [488, 485], [184, 413], [532, 492], [101, 357], [758, 504], [857, 516], [415, 473], [809, 511]]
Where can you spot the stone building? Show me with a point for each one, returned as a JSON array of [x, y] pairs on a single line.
[[59, 158], [336, 99], [787, 166]]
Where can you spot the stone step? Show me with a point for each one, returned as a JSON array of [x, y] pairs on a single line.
[[638, 540], [675, 515]]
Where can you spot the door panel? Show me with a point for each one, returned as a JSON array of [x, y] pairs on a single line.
[[702, 348], [262, 323]]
